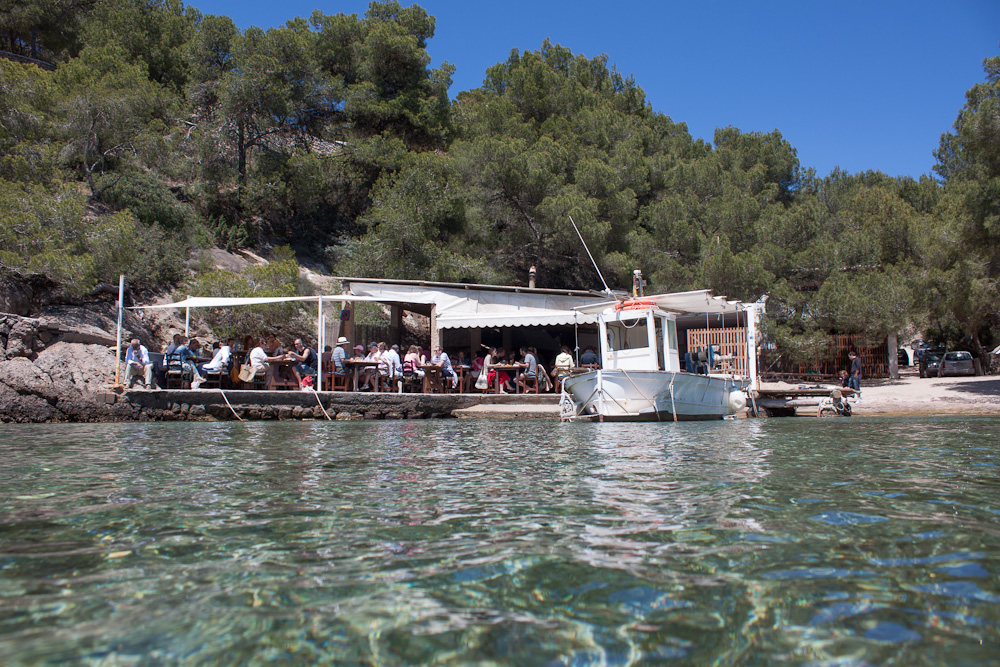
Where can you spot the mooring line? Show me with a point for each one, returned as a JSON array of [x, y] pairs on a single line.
[[230, 405], [321, 407]]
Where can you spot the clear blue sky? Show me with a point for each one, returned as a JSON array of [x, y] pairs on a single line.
[[859, 85]]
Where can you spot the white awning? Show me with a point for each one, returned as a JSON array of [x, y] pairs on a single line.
[[228, 301], [697, 302], [461, 307]]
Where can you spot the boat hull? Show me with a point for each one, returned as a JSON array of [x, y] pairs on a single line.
[[616, 395]]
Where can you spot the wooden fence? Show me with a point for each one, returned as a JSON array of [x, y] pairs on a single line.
[[730, 341], [874, 360]]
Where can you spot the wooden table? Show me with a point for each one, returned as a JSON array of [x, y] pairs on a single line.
[[460, 372], [432, 378], [357, 365], [278, 382], [506, 368]]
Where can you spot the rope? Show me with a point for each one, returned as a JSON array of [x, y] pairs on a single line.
[[672, 406], [321, 406], [229, 404]]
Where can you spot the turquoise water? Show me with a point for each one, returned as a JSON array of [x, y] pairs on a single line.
[[794, 541]]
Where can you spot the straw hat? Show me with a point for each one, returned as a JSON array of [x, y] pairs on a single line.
[[342, 340]]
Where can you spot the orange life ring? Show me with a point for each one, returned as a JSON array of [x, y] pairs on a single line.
[[635, 304]]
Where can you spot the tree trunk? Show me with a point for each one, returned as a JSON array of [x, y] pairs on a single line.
[[893, 346]]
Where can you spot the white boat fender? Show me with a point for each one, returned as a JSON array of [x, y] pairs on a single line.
[[737, 401]]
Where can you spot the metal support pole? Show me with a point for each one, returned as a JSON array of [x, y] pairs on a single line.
[[320, 340], [118, 345]]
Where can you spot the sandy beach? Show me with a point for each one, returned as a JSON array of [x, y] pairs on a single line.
[[911, 395]]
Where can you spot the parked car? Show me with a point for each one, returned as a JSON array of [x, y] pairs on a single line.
[[903, 357], [956, 363], [929, 362]]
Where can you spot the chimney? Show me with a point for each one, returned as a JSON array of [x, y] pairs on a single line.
[[531, 278]]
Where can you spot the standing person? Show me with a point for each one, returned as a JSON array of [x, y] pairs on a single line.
[[137, 364], [855, 372], [530, 365]]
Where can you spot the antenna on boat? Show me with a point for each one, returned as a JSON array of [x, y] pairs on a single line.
[[607, 289]]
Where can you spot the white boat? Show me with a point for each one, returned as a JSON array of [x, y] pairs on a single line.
[[641, 377]]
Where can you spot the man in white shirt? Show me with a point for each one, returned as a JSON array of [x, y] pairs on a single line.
[[394, 363], [137, 364], [219, 361]]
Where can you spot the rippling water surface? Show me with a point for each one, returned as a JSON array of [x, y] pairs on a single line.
[[840, 542]]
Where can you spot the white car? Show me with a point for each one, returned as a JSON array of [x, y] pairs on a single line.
[[956, 363]]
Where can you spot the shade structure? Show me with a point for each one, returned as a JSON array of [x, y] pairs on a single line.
[[230, 301], [460, 307], [696, 302]]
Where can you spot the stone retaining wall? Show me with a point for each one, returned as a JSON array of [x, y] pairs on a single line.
[[202, 404]]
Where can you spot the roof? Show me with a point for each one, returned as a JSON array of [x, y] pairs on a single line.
[[458, 306], [430, 284], [696, 302]]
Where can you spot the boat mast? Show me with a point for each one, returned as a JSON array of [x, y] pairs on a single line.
[[607, 290]]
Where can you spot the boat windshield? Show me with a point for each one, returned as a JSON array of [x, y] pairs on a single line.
[[623, 336]]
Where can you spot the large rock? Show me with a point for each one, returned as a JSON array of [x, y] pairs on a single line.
[[89, 368], [22, 339], [15, 296], [25, 408]]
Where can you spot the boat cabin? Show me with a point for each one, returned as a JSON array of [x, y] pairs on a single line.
[[637, 336]]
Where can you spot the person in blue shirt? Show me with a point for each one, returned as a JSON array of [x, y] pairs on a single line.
[[442, 359], [530, 365], [188, 354]]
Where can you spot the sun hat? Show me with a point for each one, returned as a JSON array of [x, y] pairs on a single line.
[[359, 347], [342, 340]]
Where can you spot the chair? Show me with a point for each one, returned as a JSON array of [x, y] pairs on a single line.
[[702, 361], [412, 383], [341, 382], [527, 385], [387, 383], [216, 378], [176, 376]]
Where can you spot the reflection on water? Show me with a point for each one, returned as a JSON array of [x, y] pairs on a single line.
[[844, 542]]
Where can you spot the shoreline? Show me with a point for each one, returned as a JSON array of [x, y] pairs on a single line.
[[913, 396]]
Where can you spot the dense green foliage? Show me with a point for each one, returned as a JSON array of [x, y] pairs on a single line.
[[162, 129]]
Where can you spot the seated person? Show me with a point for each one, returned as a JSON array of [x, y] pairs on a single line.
[[188, 355], [564, 363], [530, 365], [369, 376], [339, 356], [411, 363], [495, 357], [137, 364], [219, 362], [177, 342], [259, 361], [306, 356], [442, 359], [589, 357]]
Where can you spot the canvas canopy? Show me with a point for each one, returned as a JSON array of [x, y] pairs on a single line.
[[697, 302], [228, 301], [460, 307]]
